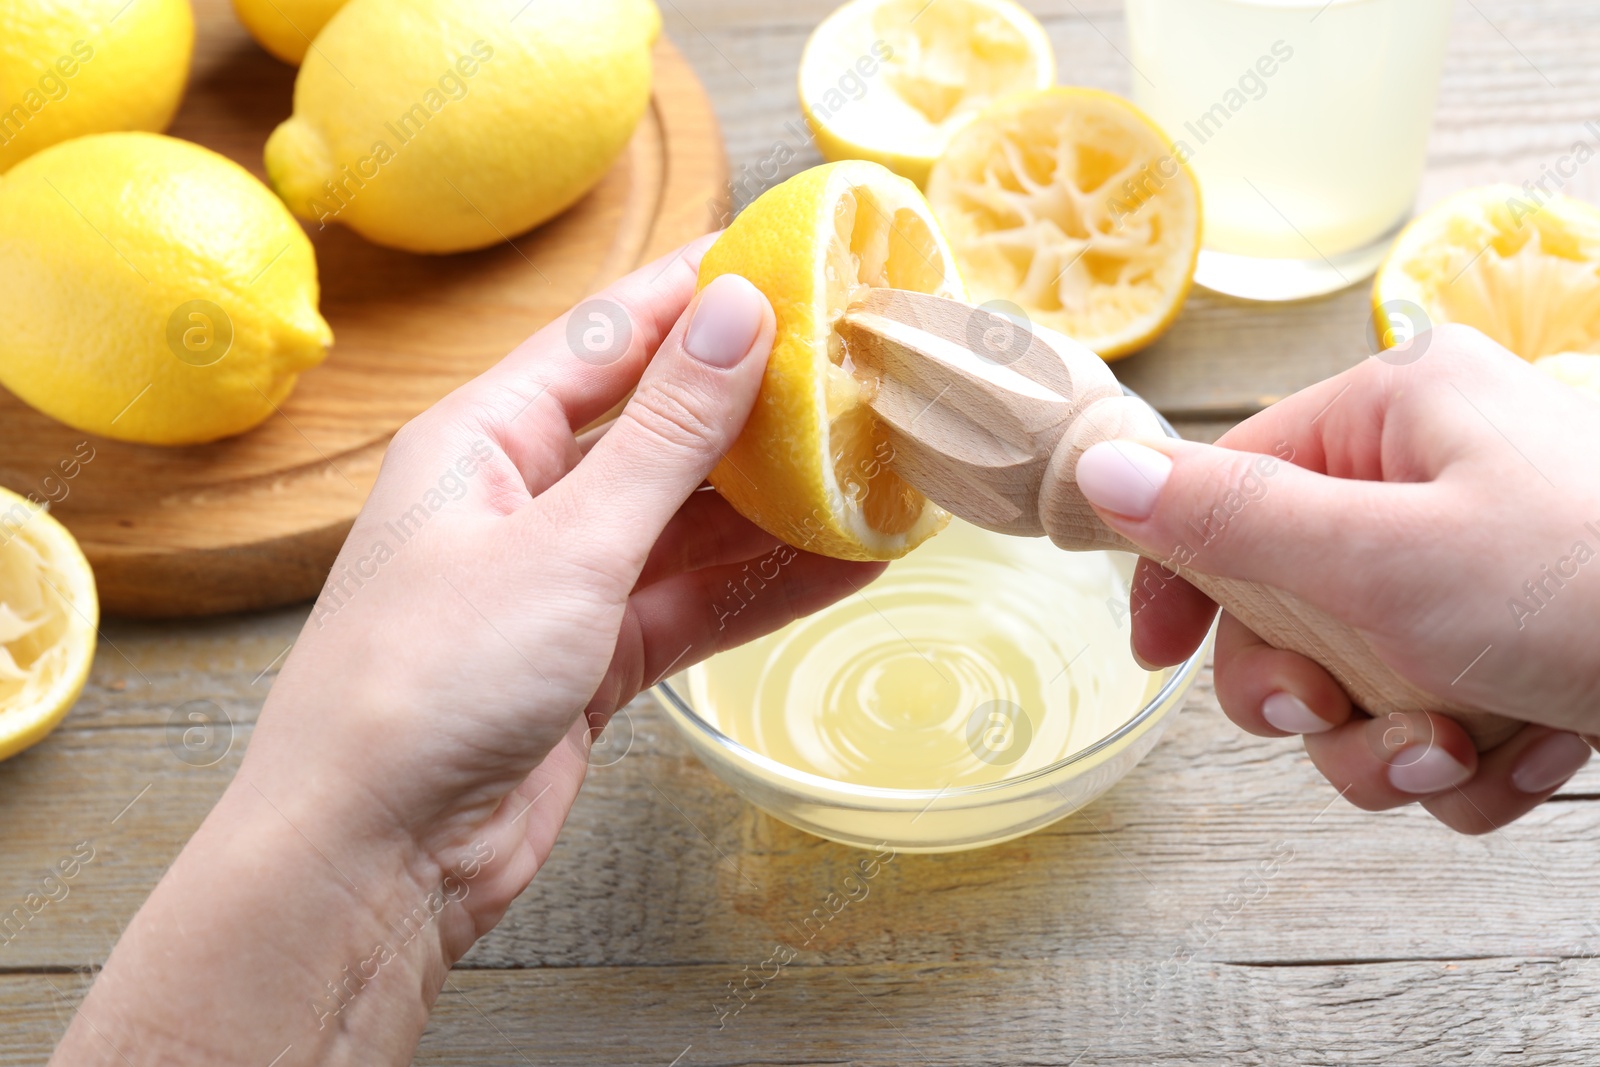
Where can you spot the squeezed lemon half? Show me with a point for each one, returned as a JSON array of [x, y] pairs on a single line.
[[1526, 274], [813, 464], [1074, 206], [891, 81], [48, 617]]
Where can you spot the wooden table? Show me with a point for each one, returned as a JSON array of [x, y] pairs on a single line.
[[1140, 931]]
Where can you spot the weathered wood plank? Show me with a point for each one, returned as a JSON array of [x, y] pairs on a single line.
[[1533, 1012], [145, 671]]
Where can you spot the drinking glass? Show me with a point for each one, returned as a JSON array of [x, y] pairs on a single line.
[[1306, 122]]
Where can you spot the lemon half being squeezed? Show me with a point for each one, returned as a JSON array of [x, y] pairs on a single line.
[[813, 463]]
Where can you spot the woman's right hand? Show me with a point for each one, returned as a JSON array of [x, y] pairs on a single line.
[[1444, 499]]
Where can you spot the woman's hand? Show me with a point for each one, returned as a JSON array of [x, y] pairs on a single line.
[[534, 589], [506, 588], [1442, 498]]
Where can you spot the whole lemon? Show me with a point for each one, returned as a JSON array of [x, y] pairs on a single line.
[[71, 67], [443, 126], [152, 290], [286, 28]]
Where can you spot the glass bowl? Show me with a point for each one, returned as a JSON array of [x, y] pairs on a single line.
[[954, 817], [963, 816]]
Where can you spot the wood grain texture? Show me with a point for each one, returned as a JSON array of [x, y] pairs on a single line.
[[1384, 940], [1120, 1012], [255, 521], [971, 432]]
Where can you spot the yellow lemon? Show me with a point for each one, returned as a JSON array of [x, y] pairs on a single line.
[[73, 67], [1075, 207], [152, 290], [447, 125], [813, 464], [286, 28], [1525, 273], [48, 618], [893, 80]]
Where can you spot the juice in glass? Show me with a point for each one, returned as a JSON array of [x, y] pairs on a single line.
[[1306, 122]]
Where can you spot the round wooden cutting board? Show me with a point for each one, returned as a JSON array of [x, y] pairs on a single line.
[[255, 521]]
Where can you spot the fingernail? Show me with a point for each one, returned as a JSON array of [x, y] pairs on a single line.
[[1431, 771], [1287, 712], [1123, 477], [726, 322], [1550, 762]]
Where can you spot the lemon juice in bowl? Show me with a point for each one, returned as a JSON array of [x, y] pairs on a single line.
[[977, 657], [941, 706], [1306, 122]]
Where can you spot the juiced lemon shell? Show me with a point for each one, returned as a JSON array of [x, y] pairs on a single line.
[[891, 81], [1521, 268], [1581, 370], [1071, 204], [446, 125], [813, 465], [48, 615]]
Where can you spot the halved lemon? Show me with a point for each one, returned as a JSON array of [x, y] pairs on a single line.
[[891, 81], [813, 464], [1074, 206], [48, 617], [1526, 274]]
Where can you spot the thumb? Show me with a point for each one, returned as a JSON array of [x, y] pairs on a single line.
[[1243, 515], [688, 410]]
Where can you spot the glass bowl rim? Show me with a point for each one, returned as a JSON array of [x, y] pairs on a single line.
[[1182, 676]]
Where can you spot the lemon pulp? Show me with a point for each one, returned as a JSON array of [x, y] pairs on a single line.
[[1072, 205], [48, 614], [979, 657], [892, 80], [871, 248], [812, 466]]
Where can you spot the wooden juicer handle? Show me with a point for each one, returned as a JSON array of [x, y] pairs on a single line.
[[988, 416]]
